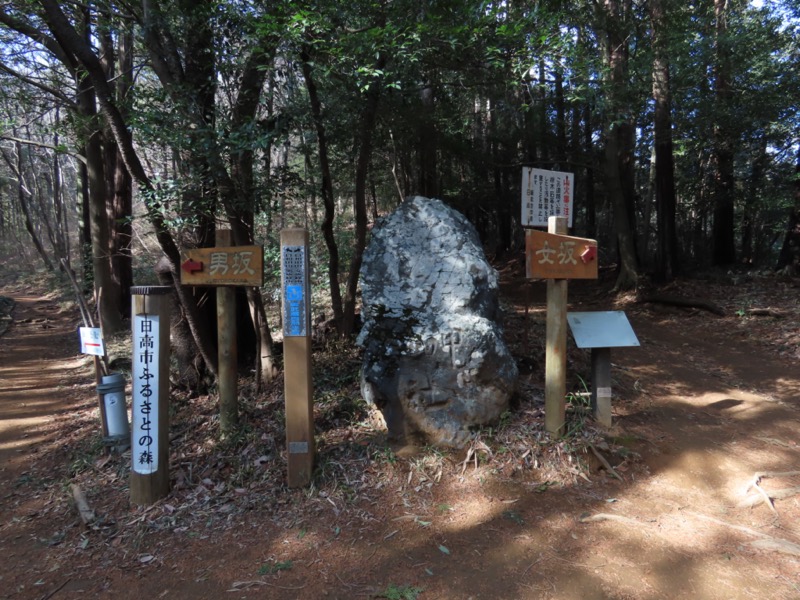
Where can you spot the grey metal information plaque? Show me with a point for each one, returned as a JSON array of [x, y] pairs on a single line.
[[601, 329]]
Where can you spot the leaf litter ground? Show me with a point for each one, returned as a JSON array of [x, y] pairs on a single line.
[[664, 505]]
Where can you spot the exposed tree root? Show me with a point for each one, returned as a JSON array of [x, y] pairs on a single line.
[[609, 517], [605, 463], [756, 499], [685, 303], [765, 542]]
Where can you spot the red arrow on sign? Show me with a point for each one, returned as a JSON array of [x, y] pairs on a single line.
[[589, 254], [192, 266]]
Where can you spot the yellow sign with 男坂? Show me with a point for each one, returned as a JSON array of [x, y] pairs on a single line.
[[553, 256], [236, 265]]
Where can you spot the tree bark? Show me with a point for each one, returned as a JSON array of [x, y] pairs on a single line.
[[75, 46], [365, 131], [106, 288], [724, 245], [326, 189], [17, 167], [617, 152], [789, 259], [428, 178], [666, 232]]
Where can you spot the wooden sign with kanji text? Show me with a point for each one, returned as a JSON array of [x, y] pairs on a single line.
[[553, 256], [236, 265]]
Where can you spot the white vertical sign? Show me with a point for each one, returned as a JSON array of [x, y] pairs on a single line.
[[144, 413], [546, 194]]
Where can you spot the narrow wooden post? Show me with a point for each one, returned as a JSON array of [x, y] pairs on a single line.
[[298, 392], [556, 350], [601, 385], [150, 394], [227, 357]]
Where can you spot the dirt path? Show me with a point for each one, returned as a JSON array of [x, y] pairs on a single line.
[[700, 409], [41, 379]]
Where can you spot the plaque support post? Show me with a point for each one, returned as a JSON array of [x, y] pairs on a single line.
[[601, 385], [149, 480], [298, 392]]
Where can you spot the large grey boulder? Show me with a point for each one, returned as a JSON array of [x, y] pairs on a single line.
[[435, 362]]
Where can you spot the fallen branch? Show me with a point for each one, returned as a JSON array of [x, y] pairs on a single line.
[[685, 303], [238, 586], [85, 511], [605, 464], [55, 591]]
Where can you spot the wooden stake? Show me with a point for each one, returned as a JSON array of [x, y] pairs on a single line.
[[227, 357], [149, 480], [298, 392], [556, 350]]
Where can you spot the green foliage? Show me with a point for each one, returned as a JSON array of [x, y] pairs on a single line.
[[403, 592], [467, 90], [271, 568]]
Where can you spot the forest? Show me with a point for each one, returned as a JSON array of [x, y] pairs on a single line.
[[133, 130]]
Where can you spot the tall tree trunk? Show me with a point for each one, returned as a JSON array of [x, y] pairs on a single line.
[[122, 203], [81, 50], [750, 213], [106, 288], [618, 134], [326, 190], [561, 120], [666, 234], [589, 195], [428, 177], [544, 126], [244, 113], [365, 132], [17, 167], [724, 245], [61, 245], [789, 259]]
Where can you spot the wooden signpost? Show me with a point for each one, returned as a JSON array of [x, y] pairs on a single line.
[[298, 392], [225, 266], [558, 257]]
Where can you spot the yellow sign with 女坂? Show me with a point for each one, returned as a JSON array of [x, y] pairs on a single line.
[[554, 256]]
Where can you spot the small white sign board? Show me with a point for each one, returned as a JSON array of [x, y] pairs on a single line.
[[601, 329], [546, 194], [92, 341]]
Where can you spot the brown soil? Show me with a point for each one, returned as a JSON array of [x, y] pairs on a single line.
[[703, 405]]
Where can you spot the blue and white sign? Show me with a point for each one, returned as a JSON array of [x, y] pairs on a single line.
[[295, 304]]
